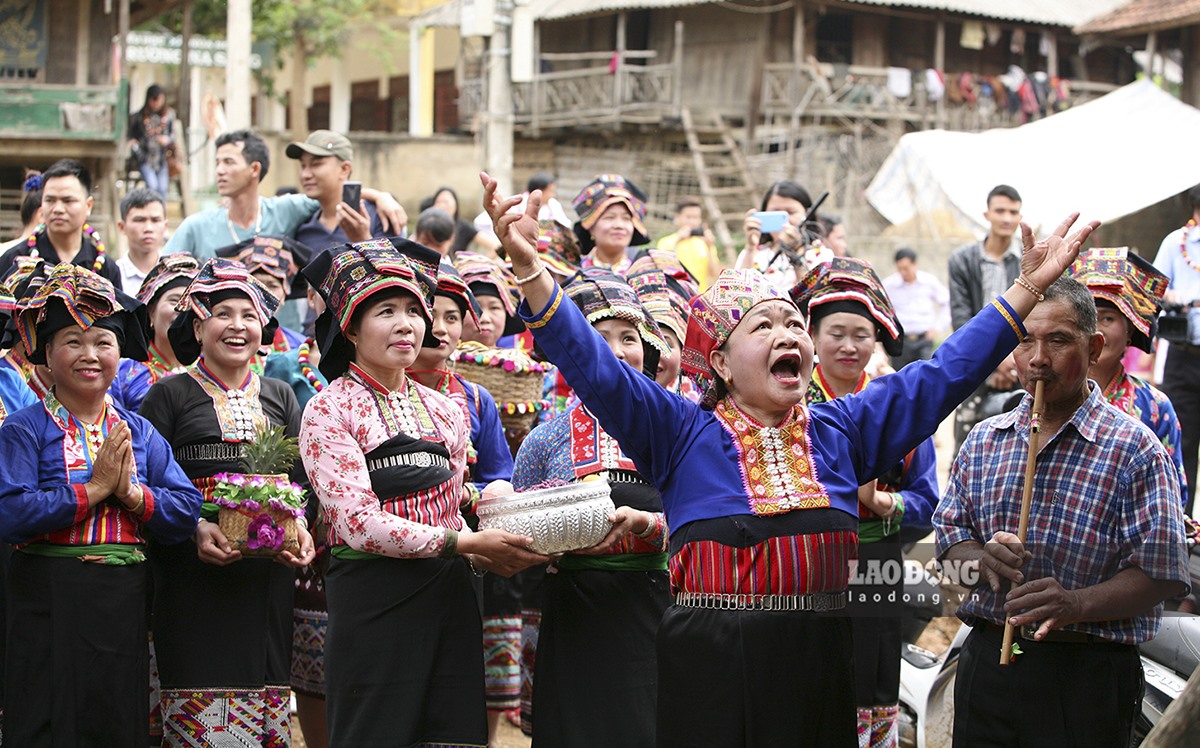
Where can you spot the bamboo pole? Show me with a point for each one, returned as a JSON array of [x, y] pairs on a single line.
[[1035, 418]]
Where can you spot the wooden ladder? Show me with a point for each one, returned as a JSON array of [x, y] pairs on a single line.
[[725, 184]]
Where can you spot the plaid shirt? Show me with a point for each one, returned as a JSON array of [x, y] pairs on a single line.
[[1105, 498]]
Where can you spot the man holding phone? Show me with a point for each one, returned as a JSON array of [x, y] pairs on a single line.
[[326, 162]]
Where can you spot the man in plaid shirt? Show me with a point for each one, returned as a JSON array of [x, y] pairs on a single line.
[[1105, 547]]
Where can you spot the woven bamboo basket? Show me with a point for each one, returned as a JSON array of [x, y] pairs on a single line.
[[513, 378], [236, 525]]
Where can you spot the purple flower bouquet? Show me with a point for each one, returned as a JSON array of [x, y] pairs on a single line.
[[258, 512]]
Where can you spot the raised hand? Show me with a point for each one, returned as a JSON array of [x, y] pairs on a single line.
[[517, 232], [1043, 262]]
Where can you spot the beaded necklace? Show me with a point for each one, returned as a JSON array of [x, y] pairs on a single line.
[[306, 366], [1191, 224], [101, 250]]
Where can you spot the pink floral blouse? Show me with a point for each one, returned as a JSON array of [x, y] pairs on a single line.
[[351, 417]]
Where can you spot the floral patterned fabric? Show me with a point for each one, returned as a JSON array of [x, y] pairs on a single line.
[[353, 416]]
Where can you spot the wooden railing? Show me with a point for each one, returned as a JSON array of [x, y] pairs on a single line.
[[822, 90], [48, 111], [631, 90]]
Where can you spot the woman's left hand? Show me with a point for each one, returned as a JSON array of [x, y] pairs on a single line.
[[308, 549], [624, 521], [517, 232]]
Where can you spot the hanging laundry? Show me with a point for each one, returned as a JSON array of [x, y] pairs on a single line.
[[972, 35], [935, 85], [899, 82]]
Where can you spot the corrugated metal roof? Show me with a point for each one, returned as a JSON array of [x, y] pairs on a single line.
[[1141, 16], [1067, 13]]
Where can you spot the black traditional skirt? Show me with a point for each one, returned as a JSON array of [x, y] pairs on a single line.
[[597, 678], [742, 679], [403, 661], [77, 659], [875, 610], [222, 637]]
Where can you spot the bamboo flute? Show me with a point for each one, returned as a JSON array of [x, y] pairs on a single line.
[[1035, 417]]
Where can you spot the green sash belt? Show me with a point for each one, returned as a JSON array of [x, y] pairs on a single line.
[[615, 562], [345, 551], [115, 554]]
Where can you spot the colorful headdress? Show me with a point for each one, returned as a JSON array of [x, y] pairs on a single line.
[[172, 271], [1129, 283], [24, 278], [215, 280], [665, 297], [848, 284], [558, 247], [349, 275], [279, 256], [715, 315], [601, 294], [451, 285], [604, 191], [72, 295], [668, 262], [488, 277]]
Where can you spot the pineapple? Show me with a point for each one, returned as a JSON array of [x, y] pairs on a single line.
[[271, 452]]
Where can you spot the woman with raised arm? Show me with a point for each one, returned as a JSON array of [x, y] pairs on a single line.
[[760, 490], [387, 458]]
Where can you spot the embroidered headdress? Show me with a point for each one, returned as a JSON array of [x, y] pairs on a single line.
[[665, 297], [601, 294], [24, 278], [172, 271], [1129, 283], [349, 275], [714, 315], [668, 262], [602, 192], [848, 284], [451, 285], [488, 277], [73, 295], [279, 256], [558, 247], [216, 281]]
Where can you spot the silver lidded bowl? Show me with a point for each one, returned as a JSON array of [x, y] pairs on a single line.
[[559, 519]]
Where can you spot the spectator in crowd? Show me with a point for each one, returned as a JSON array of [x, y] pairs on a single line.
[[692, 242], [1179, 259], [979, 272], [65, 235], [152, 139], [435, 229], [923, 305], [326, 163], [833, 231], [1105, 547], [778, 255], [242, 162], [144, 224]]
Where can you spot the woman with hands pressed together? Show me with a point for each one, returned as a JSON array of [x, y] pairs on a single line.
[[83, 485], [595, 651], [222, 623], [387, 458], [761, 491]]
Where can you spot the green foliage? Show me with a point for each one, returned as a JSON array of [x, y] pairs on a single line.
[[272, 452]]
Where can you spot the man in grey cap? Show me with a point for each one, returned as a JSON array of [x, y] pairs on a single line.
[[325, 165]]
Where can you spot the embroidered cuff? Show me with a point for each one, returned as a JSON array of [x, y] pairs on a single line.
[[534, 321], [148, 510], [1010, 316], [81, 501]]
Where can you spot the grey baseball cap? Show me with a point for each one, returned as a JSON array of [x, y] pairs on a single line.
[[323, 143]]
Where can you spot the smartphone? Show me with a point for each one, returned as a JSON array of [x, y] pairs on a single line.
[[771, 221], [352, 194]]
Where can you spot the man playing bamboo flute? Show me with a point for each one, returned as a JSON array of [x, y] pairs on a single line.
[[1104, 548]]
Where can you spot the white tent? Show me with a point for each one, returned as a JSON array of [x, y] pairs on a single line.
[[1108, 158]]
